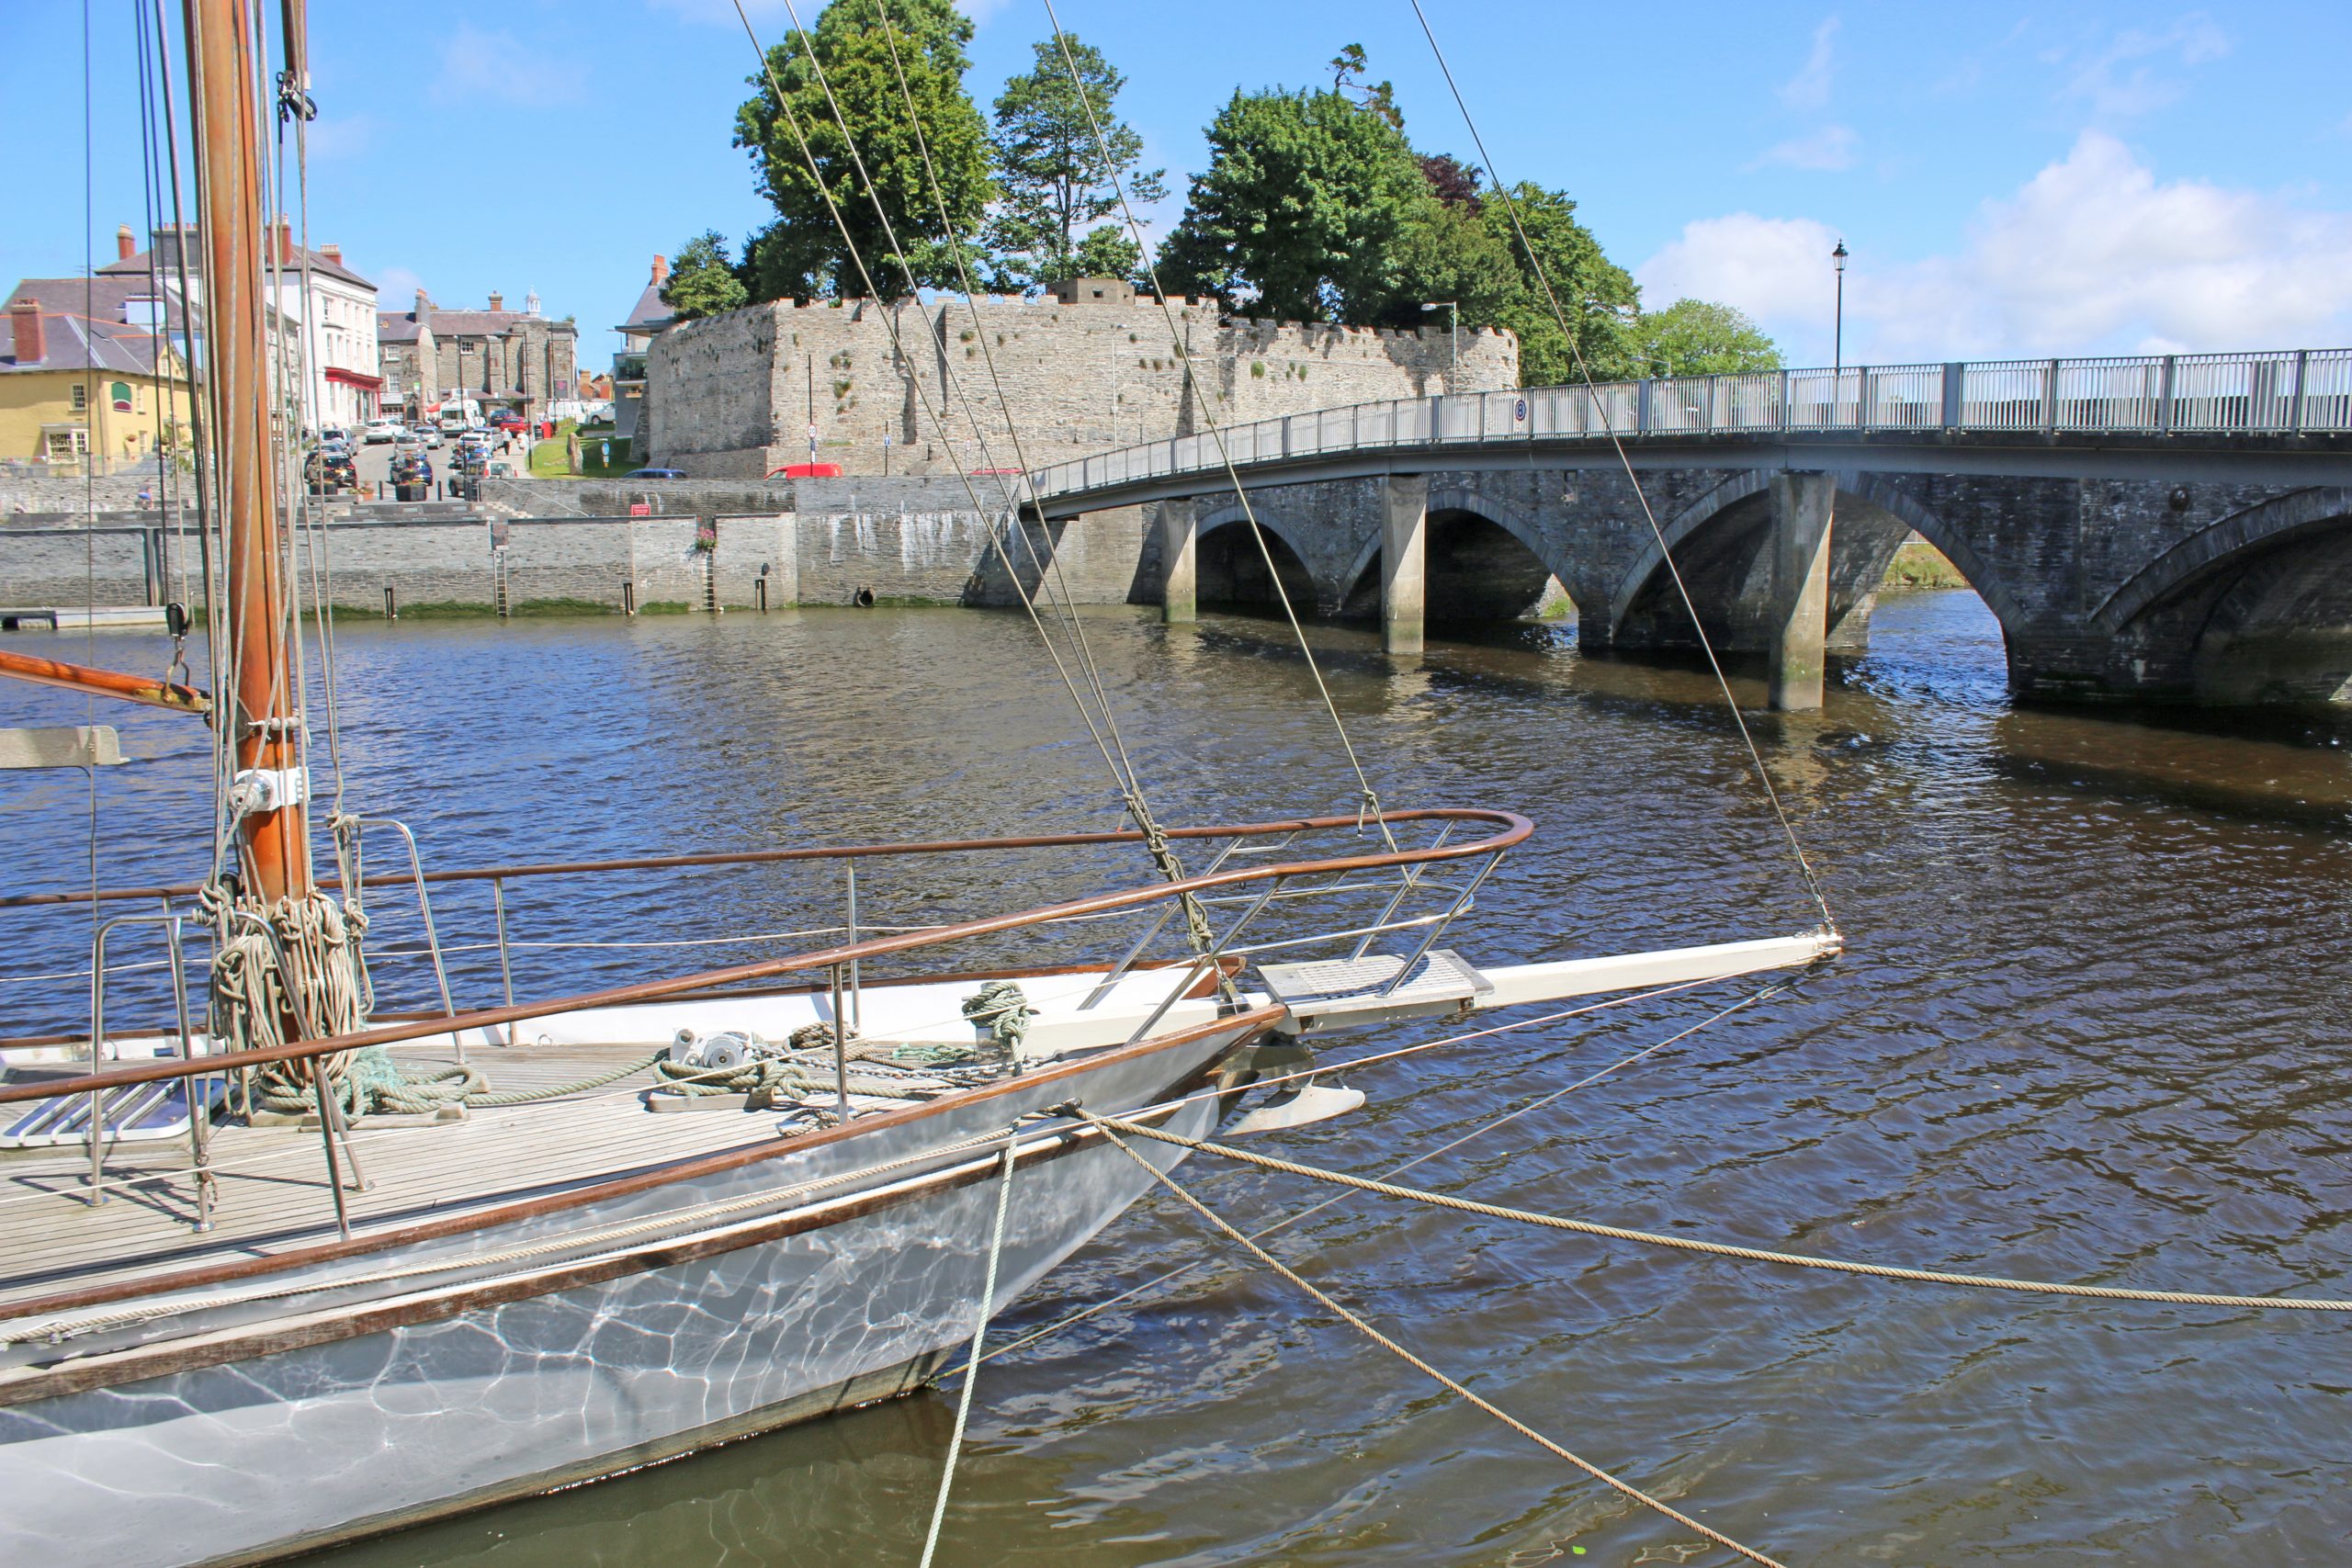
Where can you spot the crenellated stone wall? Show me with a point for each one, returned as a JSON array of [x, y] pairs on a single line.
[[732, 396]]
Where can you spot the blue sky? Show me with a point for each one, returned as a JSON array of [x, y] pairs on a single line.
[[2010, 179]]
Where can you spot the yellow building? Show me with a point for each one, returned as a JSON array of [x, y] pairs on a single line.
[[82, 372]]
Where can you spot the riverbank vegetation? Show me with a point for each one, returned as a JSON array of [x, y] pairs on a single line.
[[1316, 203], [1919, 564]]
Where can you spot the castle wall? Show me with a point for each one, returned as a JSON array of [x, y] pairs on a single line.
[[730, 396]]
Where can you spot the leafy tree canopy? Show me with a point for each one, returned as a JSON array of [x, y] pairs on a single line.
[[1299, 209], [1059, 179], [802, 254], [702, 280], [1699, 337], [1316, 207], [1598, 297]]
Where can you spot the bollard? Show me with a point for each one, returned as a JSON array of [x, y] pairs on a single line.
[[760, 593], [392, 606], [628, 597]]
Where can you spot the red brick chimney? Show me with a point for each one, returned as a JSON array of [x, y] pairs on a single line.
[[285, 241], [126, 243], [333, 254], [497, 300], [661, 270], [24, 320]]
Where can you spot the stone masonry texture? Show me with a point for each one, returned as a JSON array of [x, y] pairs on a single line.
[[733, 395]]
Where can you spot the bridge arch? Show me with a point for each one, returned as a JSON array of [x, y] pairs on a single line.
[[1448, 506], [1231, 571], [1883, 491], [2217, 544]]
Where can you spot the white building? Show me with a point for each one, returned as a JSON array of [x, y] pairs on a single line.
[[339, 316]]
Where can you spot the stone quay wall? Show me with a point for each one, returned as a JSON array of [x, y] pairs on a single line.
[[733, 395], [712, 544]]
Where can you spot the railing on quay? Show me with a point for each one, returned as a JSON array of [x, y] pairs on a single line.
[[2288, 392]]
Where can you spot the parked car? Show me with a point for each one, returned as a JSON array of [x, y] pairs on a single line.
[[375, 431], [502, 471], [807, 471], [330, 432], [510, 422], [655, 474], [427, 435]]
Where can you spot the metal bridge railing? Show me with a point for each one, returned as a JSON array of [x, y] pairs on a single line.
[[2287, 392]]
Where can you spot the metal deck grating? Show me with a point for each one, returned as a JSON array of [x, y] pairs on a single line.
[[1334, 993]]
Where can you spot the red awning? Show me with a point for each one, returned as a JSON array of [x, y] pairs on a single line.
[[354, 379]]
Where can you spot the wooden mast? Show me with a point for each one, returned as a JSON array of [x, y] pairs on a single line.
[[225, 60]]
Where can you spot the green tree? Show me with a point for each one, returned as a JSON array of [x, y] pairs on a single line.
[[702, 280], [1699, 337], [1299, 209], [1598, 297], [1056, 175], [802, 254]]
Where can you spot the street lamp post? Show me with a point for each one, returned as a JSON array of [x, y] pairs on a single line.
[[1838, 360], [1453, 309]]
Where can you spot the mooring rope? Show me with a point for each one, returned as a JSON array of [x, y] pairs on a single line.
[[1109, 1129], [972, 1361], [1724, 1248]]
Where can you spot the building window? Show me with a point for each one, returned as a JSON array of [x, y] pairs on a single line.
[[79, 398]]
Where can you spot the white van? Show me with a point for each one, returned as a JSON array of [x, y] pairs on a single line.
[[459, 415]]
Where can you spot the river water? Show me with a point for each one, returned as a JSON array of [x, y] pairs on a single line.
[[2090, 1025]]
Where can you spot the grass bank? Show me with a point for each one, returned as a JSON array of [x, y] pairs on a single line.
[[1919, 564], [551, 459]]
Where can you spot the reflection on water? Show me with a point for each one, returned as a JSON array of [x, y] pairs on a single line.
[[2089, 1025]]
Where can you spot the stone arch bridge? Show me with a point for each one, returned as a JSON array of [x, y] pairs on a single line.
[[2162, 540]]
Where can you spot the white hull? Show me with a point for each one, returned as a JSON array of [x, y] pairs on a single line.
[[266, 1453]]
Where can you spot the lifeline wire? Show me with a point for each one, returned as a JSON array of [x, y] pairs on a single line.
[[1369, 797], [1076, 632], [1451, 1385], [1126, 782], [1510, 206]]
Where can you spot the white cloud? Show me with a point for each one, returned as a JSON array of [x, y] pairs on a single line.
[[2092, 255], [498, 69], [396, 288], [2127, 77], [1831, 146], [331, 137], [1809, 88]]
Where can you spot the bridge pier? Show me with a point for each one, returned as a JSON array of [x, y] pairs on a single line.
[[1404, 563], [1180, 541], [1803, 507]]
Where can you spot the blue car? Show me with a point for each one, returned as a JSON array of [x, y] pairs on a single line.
[[655, 474]]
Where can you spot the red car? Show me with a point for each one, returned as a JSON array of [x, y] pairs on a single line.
[[807, 471], [510, 422]]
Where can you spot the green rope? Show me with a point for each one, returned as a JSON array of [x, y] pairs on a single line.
[[374, 1083], [1004, 1011]]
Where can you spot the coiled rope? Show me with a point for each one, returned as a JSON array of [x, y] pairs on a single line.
[[304, 959], [1727, 1249]]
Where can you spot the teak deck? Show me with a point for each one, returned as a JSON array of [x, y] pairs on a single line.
[[273, 1191]]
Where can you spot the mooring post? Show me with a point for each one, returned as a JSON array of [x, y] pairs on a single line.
[[1802, 513], [1404, 565], [1180, 538]]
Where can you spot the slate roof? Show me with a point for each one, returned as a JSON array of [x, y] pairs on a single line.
[[651, 315], [103, 300], [70, 343], [168, 242]]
